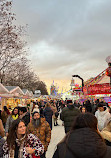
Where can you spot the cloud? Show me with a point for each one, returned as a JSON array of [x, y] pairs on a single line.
[[66, 37]]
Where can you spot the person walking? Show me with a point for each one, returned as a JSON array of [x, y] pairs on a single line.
[[40, 127], [13, 116], [55, 114], [48, 114], [83, 140], [21, 145], [4, 115], [83, 109], [24, 115], [68, 114], [88, 106], [103, 116]]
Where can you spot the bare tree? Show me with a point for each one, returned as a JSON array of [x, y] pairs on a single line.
[[11, 45], [14, 66]]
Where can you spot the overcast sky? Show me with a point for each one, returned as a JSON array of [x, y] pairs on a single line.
[[66, 37]]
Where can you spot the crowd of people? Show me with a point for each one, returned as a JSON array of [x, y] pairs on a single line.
[[25, 132]]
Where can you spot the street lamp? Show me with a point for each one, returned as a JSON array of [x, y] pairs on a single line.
[[108, 70], [81, 80]]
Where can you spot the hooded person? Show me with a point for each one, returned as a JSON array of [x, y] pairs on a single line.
[[103, 116], [83, 140], [68, 114], [40, 127]]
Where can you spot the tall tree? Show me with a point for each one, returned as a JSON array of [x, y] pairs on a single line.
[[11, 45]]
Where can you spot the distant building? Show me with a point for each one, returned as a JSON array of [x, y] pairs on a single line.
[[37, 93]]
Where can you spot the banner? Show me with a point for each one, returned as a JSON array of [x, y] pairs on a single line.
[[97, 89]]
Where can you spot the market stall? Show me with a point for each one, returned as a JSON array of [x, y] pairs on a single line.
[[17, 95]]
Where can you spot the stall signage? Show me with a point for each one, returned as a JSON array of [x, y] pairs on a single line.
[[97, 89]]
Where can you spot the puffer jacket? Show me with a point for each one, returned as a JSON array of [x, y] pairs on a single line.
[[43, 132], [83, 143], [67, 115]]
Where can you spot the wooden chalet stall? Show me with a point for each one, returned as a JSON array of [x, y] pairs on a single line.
[[26, 98], [17, 94], [4, 93]]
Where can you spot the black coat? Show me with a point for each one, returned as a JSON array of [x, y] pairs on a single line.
[[48, 115], [26, 118], [83, 143], [67, 115]]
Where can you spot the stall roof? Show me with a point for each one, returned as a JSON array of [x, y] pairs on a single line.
[[31, 93], [3, 89], [15, 89], [9, 88], [26, 92]]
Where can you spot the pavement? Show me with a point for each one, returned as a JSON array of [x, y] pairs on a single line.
[[56, 136]]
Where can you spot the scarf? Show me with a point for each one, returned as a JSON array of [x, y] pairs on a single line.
[[15, 117], [20, 143]]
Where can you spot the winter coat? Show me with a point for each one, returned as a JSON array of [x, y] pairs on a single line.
[[26, 118], [48, 115], [2, 131], [83, 143], [32, 141], [43, 132], [88, 107], [8, 123], [67, 115], [103, 118], [106, 133]]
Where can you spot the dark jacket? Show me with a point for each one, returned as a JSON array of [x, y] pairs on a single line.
[[67, 115], [83, 143], [26, 118], [2, 141], [48, 115]]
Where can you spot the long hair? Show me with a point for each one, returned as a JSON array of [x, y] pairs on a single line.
[[5, 108], [11, 138], [86, 120], [83, 120], [13, 110]]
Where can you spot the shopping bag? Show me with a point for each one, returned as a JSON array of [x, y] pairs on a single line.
[[33, 156]]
